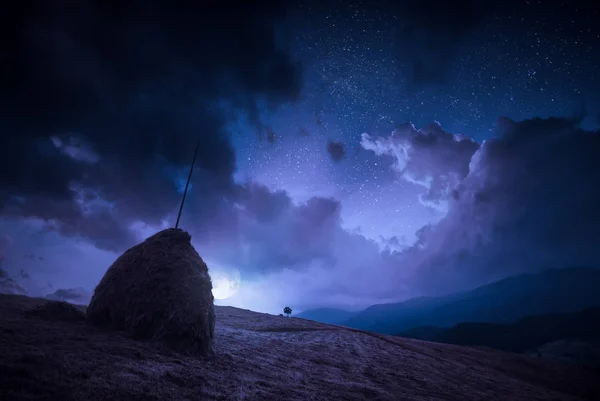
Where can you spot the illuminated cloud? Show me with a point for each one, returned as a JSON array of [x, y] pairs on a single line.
[[429, 157]]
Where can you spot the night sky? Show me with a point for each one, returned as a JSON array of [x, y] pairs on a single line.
[[351, 153]]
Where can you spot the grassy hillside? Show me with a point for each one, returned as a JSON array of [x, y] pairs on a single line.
[[327, 315], [532, 334], [523, 335], [50, 353]]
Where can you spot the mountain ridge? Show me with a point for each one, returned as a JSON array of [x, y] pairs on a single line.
[[549, 291]]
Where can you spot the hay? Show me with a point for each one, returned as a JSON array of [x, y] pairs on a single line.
[[158, 290], [57, 311]]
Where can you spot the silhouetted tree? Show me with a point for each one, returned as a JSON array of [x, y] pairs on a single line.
[[287, 310]]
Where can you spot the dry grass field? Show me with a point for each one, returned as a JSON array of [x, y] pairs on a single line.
[[49, 352]]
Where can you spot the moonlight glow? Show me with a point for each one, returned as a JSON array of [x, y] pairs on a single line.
[[225, 285]]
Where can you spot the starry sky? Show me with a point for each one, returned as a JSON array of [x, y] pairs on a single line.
[[362, 76], [351, 152]]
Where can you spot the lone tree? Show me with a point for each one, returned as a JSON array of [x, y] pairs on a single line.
[[287, 310]]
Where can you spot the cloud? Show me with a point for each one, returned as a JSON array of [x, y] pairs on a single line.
[[6, 242], [264, 234], [98, 125], [273, 233], [528, 201], [523, 201], [100, 105], [299, 252], [336, 150], [430, 157]]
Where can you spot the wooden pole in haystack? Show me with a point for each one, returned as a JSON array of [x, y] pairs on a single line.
[[187, 184]]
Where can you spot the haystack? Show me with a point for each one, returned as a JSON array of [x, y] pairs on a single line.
[[158, 290]]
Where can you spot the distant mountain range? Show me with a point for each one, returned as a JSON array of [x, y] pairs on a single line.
[[552, 291]]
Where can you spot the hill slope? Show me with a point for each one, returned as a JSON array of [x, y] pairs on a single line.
[[525, 335], [550, 291], [327, 315], [49, 354]]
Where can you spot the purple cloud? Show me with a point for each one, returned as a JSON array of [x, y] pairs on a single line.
[[430, 157], [528, 201]]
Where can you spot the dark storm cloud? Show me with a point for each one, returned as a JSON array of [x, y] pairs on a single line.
[[262, 204], [529, 202], [273, 233], [336, 150], [106, 100]]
